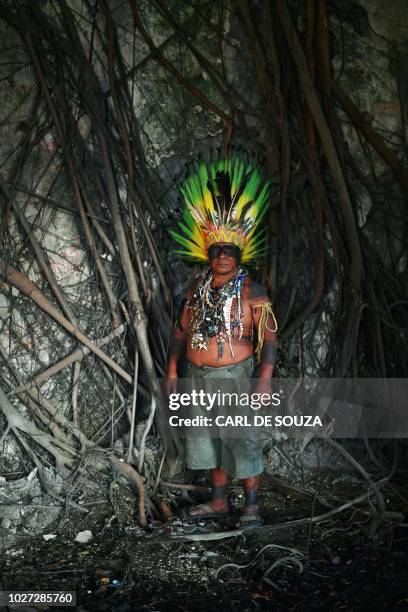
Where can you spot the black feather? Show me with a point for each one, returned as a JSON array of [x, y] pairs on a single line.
[[245, 209], [224, 187]]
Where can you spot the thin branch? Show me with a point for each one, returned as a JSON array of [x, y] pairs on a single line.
[[28, 288]]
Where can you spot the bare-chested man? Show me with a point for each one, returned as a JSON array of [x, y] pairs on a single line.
[[211, 348]]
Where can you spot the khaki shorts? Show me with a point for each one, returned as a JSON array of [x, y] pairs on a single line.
[[240, 457]]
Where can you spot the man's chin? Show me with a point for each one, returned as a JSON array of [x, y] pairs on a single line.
[[223, 271]]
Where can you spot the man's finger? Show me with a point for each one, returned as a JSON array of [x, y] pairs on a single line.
[[171, 385]]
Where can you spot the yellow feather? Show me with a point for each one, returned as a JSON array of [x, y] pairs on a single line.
[[243, 200], [208, 201]]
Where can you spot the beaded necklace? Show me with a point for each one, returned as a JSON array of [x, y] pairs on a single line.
[[212, 312]]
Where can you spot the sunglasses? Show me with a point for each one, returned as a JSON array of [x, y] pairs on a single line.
[[230, 250]]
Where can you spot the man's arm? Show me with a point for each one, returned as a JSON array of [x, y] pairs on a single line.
[[267, 344], [178, 340], [264, 322]]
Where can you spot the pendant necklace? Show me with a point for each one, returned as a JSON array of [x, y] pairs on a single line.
[[212, 312]]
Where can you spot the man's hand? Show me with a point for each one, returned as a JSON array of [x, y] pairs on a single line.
[[171, 383], [264, 385]]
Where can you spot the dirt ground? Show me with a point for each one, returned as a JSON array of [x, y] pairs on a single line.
[[345, 563]]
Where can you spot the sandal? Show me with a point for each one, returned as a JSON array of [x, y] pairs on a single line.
[[249, 521], [208, 513]]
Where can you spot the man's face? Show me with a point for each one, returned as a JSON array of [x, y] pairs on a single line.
[[223, 261]]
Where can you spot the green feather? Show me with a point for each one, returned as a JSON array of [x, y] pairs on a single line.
[[180, 239], [246, 182]]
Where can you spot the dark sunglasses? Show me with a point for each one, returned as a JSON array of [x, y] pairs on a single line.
[[230, 250]]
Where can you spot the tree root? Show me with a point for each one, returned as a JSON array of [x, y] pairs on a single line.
[[130, 473]]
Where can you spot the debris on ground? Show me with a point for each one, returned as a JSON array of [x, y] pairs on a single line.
[[338, 564]]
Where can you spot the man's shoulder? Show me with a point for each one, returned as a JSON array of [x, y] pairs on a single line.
[[191, 286], [256, 291]]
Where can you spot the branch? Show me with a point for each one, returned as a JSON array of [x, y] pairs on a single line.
[[126, 470], [77, 355], [327, 144], [159, 57], [28, 288], [17, 422], [375, 141], [199, 537], [38, 251]]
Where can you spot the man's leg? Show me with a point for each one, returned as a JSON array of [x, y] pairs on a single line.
[[251, 487], [219, 501]]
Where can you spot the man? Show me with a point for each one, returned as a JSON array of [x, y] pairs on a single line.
[[221, 316]]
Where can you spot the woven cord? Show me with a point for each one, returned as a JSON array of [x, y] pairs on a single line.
[[263, 325]]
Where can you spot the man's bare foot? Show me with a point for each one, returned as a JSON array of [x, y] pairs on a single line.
[[250, 517]]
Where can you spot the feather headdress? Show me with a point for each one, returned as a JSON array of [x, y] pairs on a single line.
[[224, 202]]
